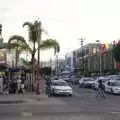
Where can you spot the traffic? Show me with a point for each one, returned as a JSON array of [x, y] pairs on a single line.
[[63, 84]]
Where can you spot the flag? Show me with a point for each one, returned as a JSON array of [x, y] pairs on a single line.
[[118, 66], [107, 46]]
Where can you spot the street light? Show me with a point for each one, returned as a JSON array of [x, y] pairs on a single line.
[[98, 41]]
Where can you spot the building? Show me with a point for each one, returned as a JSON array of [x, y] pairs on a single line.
[[70, 61], [56, 65], [86, 60]]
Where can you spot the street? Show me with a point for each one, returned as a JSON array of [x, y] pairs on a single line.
[[82, 106]]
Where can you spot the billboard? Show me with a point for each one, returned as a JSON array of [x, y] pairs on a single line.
[[2, 56]]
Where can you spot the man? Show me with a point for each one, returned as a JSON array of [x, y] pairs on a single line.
[[48, 84], [101, 89]]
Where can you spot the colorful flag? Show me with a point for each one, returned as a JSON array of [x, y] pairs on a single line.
[[106, 46]]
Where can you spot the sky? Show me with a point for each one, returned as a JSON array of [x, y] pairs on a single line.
[[64, 20]]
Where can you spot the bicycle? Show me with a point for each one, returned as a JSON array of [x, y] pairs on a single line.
[[100, 93]]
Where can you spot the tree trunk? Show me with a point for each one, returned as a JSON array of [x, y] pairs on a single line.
[[16, 55], [33, 65]]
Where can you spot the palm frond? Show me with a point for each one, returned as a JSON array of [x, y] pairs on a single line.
[[50, 43], [32, 31], [16, 38], [28, 24]]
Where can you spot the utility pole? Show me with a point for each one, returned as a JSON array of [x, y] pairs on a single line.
[[100, 55], [82, 55]]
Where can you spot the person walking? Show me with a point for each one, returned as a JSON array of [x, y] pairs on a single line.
[[101, 90]]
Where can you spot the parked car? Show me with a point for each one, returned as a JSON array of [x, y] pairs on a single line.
[[114, 77], [112, 87], [103, 78], [60, 87], [86, 82]]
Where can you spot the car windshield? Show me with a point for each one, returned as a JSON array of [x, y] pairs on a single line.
[[88, 79], [60, 84], [116, 78], [104, 79], [115, 83]]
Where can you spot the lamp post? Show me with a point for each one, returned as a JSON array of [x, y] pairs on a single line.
[[100, 56]]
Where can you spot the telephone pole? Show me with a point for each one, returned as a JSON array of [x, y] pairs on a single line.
[[100, 56], [82, 55]]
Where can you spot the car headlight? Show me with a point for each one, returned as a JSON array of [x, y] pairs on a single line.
[[57, 89], [116, 88], [69, 90]]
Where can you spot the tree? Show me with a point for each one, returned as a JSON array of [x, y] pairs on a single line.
[[20, 45], [17, 43], [32, 37], [116, 54], [34, 33]]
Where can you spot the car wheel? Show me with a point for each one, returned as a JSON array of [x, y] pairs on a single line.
[[70, 95]]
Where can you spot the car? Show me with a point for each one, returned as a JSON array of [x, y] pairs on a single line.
[[112, 87], [103, 78], [114, 77], [60, 87], [86, 82]]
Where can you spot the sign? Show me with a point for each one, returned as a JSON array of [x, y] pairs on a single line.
[[2, 57]]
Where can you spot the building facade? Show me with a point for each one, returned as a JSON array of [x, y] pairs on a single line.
[[88, 60], [70, 61]]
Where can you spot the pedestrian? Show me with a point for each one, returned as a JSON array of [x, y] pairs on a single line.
[[21, 90], [101, 90], [48, 84]]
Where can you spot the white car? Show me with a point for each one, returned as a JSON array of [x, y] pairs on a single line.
[[86, 82], [60, 87], [114, 77], [112, 87]]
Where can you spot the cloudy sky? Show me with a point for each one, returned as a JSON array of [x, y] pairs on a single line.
[[65, 20]]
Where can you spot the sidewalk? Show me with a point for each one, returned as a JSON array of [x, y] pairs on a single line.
[[29, 99], [21, 98]]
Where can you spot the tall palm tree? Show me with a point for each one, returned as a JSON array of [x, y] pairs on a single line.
[[32, 37], [17, 43], [35, 34]]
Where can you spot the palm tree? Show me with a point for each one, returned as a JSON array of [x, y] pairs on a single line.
[[20, 45], [116, 54], [35, 31], [32, 37], [17, 43]]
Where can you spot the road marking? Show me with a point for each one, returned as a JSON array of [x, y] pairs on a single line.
[[115, 112], [26, 114]]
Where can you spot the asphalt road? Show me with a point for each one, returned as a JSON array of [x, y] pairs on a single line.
[[82, 106]]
